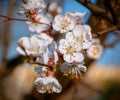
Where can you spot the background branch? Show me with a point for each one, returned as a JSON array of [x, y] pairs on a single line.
[[112, 44], [6, 38], [106, 31], [96, 10]]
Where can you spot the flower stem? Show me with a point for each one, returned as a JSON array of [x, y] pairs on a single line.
[[18, 19]]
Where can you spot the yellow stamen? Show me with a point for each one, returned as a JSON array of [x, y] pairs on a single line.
[[43, 88], [95, 52], [65, 74]]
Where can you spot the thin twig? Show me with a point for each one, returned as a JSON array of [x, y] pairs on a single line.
[[48, 4], [32, 61], [106, 31], [18, 19], [112, 44], [10, 18], [116, 33], [38, 63]]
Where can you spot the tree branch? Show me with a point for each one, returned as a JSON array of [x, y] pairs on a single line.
[[114, 8], [24, 1], [96, 10], [38, 63], [106, 31], [32, 61], [18, 19]]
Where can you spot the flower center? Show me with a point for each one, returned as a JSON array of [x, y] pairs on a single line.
[[31, 13], [47, 89], [95, 52], [69, 50], [64, 24], [79, 39]]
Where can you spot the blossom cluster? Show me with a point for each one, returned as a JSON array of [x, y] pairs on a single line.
[[47, 55]]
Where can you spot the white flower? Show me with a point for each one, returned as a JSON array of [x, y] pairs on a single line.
[[77, 15], [33, 7], [64, 23], [54, 7], [49, 58], [73, 70], [71, 51], [80, 38], [48, 84], [95, 51], [36, 26], [82, 34], [35, 45]]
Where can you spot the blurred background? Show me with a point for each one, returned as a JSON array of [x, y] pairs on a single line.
[[101, 82]]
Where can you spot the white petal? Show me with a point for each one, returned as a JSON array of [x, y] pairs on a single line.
[[64, 43], [62, 49], [31, 28], [87, 45], [71, 20], [54, 45], [69, 36], [24, 41], [78, 15], [59, 18], [20, 51], [40, 28], [68, 58], [45, 19], [57, 21], [55, 57], [87, 27], [82, 29], [45, 57], [82, 68], [78, 30], [39, 79], [35, 41], [56, 27], [57, 88], [78, 57]]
